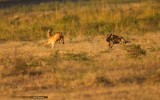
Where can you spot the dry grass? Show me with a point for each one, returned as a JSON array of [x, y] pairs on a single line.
[[90, 18], [83, 68], [94, 72]]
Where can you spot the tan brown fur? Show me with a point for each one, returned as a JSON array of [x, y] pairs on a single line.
[[53, 39]]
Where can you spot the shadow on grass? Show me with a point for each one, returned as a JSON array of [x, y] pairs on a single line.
[[10, 3]]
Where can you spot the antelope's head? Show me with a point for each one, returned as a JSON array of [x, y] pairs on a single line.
[[49, 33]]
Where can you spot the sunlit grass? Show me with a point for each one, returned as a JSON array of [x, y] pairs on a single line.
[[84, 64], [90, 18]]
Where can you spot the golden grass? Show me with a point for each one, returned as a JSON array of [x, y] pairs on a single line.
[[83, 68], [89, 18], [94, 72]]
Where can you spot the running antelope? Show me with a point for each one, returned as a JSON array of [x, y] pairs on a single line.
[[115, 39], [53, 39]]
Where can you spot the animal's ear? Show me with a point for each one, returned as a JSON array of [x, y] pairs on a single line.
[[49, 30], [108, 35]]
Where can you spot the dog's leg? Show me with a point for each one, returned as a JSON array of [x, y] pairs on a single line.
[[110, 44]]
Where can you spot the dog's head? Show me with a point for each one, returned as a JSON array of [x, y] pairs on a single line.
[[109, 37], [125, 41]]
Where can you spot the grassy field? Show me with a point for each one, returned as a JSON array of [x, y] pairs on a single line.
[[27, 21], [84, 67]]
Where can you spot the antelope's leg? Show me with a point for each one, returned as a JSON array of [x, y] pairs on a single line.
[[46, 43], [62, 40], [53, 44], [59, 41]]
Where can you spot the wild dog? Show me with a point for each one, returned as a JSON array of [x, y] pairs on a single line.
[[54, 38], [115, 39]]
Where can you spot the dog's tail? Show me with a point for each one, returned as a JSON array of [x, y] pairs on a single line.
[[124, 40]]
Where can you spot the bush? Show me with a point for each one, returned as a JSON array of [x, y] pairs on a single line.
[[103, 81], [135, 51], [18, 62]]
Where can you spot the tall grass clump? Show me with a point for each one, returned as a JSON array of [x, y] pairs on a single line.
[[18, 62], [135, 51], [69, 24]]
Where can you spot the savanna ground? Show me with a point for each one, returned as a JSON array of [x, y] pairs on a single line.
[[84, 67]]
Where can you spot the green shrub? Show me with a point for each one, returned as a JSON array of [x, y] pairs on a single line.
[[95, 28]]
